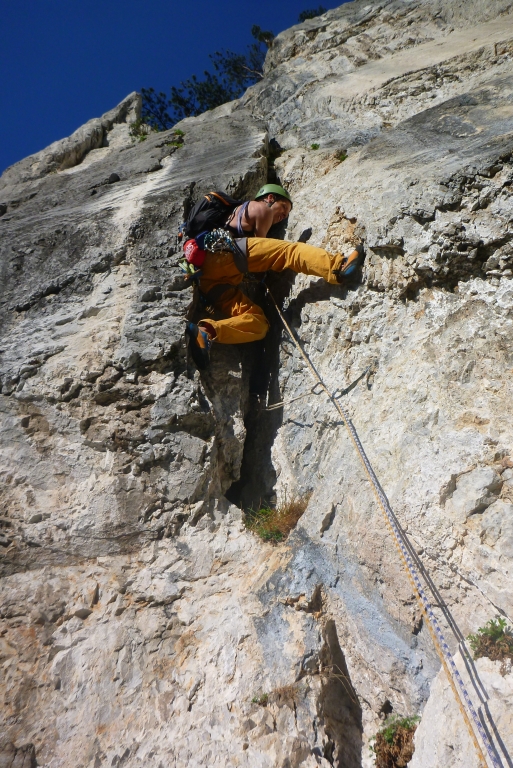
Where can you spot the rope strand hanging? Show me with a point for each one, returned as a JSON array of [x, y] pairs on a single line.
[[459, 689]]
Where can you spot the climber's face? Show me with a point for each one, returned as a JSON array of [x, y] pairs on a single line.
[[279, 208]]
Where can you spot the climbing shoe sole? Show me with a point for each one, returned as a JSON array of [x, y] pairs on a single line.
[[200, 355], [354, 262]]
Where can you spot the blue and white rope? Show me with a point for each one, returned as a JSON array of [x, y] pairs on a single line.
[[419, 589], [461, 694]]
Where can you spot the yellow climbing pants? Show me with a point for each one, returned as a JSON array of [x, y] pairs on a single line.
[[245, 320]]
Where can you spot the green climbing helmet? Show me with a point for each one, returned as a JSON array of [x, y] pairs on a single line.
[[273, 189]]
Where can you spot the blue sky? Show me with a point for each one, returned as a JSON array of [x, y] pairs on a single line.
[[66, 61]]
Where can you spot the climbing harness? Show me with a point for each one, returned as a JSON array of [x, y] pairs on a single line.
[[219, 240], [461, 694]]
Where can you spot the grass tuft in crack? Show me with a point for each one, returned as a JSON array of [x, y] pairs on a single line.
[[393, 743], [285, 695], [178, 138], [273, 524], [262, 699]]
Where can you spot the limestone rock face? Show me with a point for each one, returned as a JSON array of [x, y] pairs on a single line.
[[67, 153], [142, 623], [446, 742]]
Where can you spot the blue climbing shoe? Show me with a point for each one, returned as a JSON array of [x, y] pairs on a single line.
[[350, 265], [199, 345]]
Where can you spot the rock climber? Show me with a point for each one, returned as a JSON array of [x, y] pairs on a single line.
[[254, 218], [223, 270]]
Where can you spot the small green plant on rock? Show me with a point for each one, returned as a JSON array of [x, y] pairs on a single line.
[[314, 146], [495, 641], [393, 743], [341, 156], [262, 700], [139, 130], [178, 139], [273, 524]]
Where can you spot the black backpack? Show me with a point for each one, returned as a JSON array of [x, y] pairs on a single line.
[[211, 212]]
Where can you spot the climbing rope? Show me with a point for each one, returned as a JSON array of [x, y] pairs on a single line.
[[461, 694]]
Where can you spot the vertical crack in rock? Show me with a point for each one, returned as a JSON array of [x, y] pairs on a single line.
[[338, 705], [17, 757]]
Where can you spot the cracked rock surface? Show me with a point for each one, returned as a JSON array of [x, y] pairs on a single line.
[[141, 623]]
